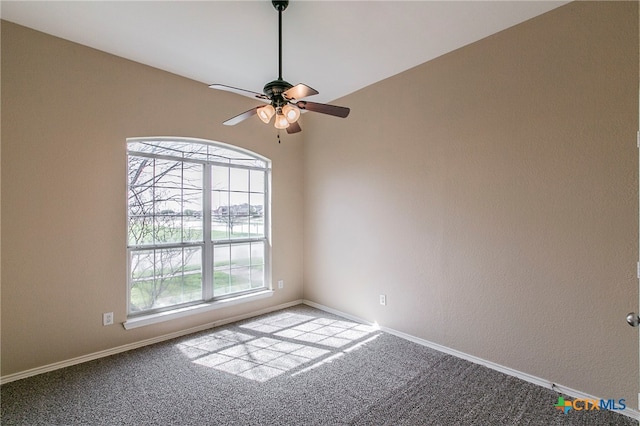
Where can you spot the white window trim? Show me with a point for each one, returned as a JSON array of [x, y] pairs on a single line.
[[155, 318], [141, 320]]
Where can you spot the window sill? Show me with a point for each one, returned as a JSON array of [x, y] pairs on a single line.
[[143, 320]]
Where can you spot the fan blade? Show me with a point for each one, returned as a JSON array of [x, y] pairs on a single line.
[[294, 128], [334, 110], [238, 91], [299, 91], [241, 117]]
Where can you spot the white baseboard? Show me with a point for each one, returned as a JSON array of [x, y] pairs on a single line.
[[108, 352], [629, 412]]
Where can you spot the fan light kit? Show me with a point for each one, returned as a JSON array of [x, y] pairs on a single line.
[[283, 97]]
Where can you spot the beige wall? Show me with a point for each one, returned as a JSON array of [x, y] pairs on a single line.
[[492, 195], [66, 112]]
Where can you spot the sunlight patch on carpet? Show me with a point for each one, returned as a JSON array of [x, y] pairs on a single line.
[[276, 344]]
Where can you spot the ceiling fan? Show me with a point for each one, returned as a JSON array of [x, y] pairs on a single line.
[[284, 98]]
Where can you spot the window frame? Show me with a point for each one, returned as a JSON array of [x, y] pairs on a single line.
[[207, 245]]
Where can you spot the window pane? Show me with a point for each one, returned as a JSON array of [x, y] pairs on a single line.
[[256, 182], [157, 209], [239, 180], [256, 219], [240, 255], [191, 202], [165, 277], [219, 178], [220, 216], [220, 224], [181, 277], [140, 230], [257, 264], [239, 213], [220, 203], [192, 229], [239, 202], [221, 269], [257, 276], [219, 199], [167, 229], [141, 280], [140, 211], [192, 176], [240, 279], [239, 216], [192, 216], [257, 253], [221, 257], [168, 174], [140, 171], [221, 283], [238, 267], [140, 200], [168, 201]]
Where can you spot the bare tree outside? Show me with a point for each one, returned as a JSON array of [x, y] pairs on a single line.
[[165, 206]]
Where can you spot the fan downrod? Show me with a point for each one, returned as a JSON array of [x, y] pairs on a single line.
[[280, 5]]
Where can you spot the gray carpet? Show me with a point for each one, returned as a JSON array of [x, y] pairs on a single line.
[[298, 366]]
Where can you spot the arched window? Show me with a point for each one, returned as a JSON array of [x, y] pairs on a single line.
[[198, 223]]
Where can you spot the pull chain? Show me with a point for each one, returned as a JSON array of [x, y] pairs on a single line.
[[278, 136]]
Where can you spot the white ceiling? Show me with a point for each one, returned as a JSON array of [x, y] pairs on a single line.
[[336, 47]]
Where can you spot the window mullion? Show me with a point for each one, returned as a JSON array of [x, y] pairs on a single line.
[[207, 253]]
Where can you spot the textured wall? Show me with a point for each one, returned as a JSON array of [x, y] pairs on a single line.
[[492, 195], [66, 113]]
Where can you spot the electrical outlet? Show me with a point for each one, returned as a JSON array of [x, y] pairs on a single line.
[[280, 284], [107, 318], [383, 300]]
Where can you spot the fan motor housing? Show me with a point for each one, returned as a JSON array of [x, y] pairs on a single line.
[[274, 90]]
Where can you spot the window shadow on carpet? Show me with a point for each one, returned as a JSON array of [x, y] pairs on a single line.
[[270, 346]]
